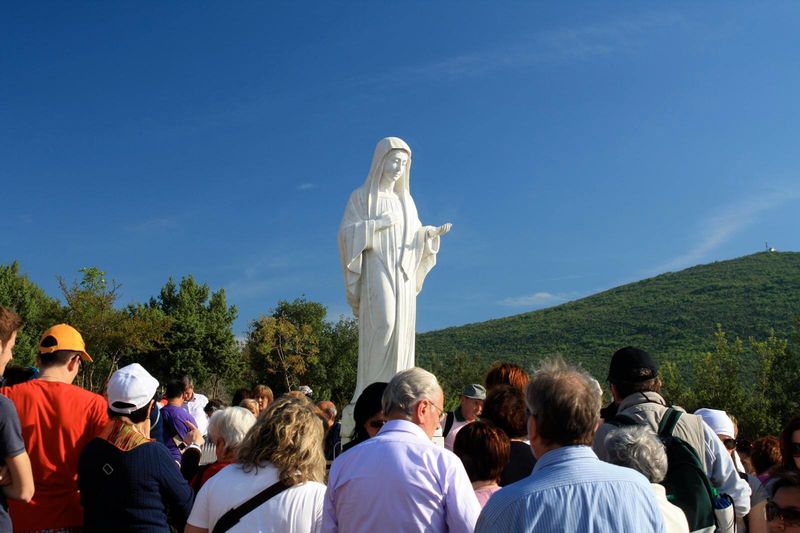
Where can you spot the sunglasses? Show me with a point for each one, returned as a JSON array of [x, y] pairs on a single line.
[[796, 449], [730, 444], [788, 515], [377, 424]]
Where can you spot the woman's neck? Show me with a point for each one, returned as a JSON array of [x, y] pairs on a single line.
[[483, 484]]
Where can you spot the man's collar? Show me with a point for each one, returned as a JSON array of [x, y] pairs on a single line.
[[564, 454], [638, 398], [405, 426]]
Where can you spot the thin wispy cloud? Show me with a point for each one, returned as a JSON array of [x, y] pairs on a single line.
[[537, 299], [726, 223], [306, 186], [553, 46], [154, 225]]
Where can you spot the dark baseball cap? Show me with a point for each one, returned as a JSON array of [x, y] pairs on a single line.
[[632, 365]]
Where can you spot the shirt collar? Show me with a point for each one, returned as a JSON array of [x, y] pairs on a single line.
[[564, 454], [639, 398], [403, 426]]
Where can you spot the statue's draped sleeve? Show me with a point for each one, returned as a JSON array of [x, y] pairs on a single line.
[[355, 237]]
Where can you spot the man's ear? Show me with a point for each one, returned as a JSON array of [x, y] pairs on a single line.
[[74, 363], [420, 409]]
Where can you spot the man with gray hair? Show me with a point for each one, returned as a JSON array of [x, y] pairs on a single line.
[[570, 489], [400, 480], [639, 448]]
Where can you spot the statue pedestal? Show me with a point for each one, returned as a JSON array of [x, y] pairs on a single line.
[[348, 423]]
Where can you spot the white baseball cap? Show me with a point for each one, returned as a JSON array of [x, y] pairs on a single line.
[[131, 385]]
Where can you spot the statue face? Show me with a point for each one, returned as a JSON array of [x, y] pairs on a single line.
[[394, 165]]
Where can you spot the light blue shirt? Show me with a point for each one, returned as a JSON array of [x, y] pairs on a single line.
[[571, 490], [399, 481]]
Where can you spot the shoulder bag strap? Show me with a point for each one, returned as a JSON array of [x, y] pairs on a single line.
[[668, 422], [232, 516]]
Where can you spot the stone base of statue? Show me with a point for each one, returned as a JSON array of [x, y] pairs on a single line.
[[348, 423]]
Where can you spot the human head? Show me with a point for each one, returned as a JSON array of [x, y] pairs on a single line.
[[415, 395], [632, 370], [638, 447], [263, 395], [506, 374], [328, 409], [174, 389], [10, 323], [766, 454], [227, 429], [790, 441], [505, 408], [288, 435], [61, 348], [783, 506], [213, 406], [188, 388], [239, 395], [368, 413], [472, 398], [563, 405], [484, 449], [251, 405], [721, 424], [130, 393], [385, 147]]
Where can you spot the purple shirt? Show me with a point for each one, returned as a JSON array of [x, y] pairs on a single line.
[[399, 481], [174, 420]]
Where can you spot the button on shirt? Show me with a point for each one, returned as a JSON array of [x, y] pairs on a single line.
[[571, 490], [399, 481]]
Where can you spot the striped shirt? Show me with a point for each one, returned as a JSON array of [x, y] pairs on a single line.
[[571, 490]]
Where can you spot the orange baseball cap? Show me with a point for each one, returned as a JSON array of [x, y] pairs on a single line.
[[63, 337]]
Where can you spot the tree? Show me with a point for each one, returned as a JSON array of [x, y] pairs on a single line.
[[334, 375], [37, 310], [111, 335], [200, 340]]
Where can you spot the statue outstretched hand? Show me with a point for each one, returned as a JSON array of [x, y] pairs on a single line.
[[441, 230]]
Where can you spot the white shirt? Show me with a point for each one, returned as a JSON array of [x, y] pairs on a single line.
[[195, 407], [296, 509], [399, 481], [674, 517]]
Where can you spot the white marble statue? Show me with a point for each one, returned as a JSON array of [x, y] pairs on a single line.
[[386, 253]]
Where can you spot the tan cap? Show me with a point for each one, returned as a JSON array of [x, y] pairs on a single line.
[[67, 338]]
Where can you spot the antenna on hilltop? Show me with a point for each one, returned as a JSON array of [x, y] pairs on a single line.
[[769, 248]]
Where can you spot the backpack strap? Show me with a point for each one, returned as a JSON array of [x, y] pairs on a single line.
[[232, 516], [668, 422], [448, 423]]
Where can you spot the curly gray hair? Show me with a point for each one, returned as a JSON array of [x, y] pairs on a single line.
[[638, 447]]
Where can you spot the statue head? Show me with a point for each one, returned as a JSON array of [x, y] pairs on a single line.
[[394, 166]]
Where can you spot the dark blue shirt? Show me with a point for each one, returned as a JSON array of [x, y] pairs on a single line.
[[132, 491]]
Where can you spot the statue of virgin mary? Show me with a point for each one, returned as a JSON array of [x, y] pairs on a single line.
[[386, 253]]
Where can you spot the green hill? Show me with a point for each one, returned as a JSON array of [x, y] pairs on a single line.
[[670, 315]]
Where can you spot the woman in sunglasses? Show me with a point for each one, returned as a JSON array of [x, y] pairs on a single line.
[[367, 414], [783, 507]]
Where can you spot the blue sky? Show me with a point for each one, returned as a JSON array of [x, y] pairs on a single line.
[[574, 148]]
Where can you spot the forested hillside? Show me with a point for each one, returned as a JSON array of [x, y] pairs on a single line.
[[672, 315]]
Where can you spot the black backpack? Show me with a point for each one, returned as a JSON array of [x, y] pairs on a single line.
[[686, 482]]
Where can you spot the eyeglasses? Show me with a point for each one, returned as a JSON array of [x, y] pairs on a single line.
[[788, 515], [376, 424], [441, 411], [796, 449], [730, 444]]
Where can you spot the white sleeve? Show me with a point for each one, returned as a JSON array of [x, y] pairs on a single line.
[[722, 472], [461, 504], [199, 516]]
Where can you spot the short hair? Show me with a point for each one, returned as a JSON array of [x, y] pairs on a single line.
[[407, 388], [565, 401], [230, 424], [505, 408], [263, 390], [239, 395], [9, 323], [784, 479], [501, 373], [638, 447], [786, 443], [175, 388], [288, 435], [250, 405], [484, 449], [328, 408], [137, 417], [213, 406], [57, 358], [187, 381], [766, 453], [626, 388]]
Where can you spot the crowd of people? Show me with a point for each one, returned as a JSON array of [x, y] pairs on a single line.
[[521, 452]]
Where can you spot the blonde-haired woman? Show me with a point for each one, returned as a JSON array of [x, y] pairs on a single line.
[[281, 452]]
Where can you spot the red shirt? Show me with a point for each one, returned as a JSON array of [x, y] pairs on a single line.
[[58, 420]]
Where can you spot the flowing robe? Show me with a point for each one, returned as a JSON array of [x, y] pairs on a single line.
[[384, 270]]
